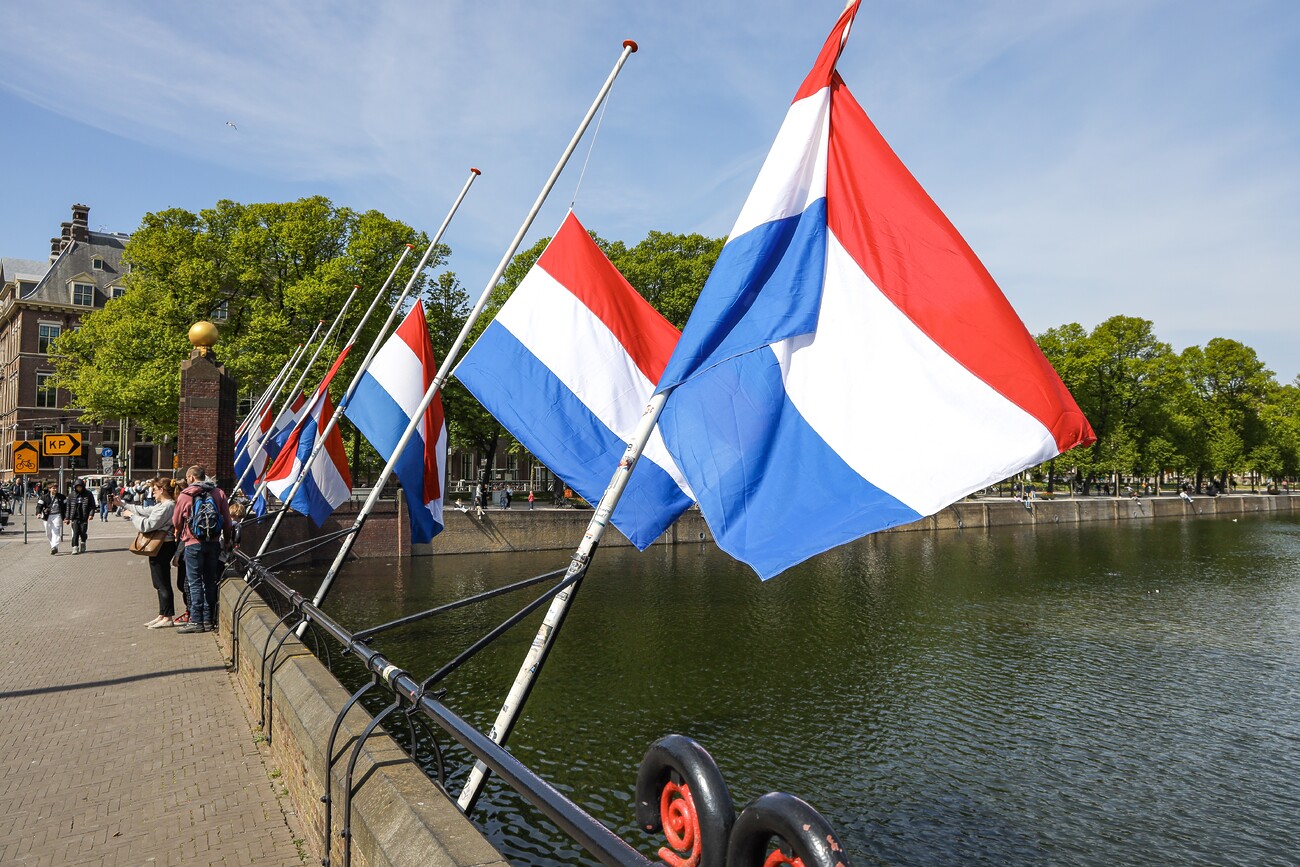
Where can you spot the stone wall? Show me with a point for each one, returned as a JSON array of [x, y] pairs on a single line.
[[399, 816]]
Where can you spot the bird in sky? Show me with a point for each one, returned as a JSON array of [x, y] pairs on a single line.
[[231, 124]]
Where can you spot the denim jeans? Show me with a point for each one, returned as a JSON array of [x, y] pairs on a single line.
[[202, 568]]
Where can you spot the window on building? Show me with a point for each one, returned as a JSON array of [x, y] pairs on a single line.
[[142, 457], [97, 263], [46, 332], [83, 294], [116, 291], [112, 434], [221, 312], [47, 393]]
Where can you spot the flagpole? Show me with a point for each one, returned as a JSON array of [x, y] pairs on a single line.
[[279, 391], [302, 352], [272, 392], [375, 345], [508, 715], [261, 489], [266, 392], [417, 419]]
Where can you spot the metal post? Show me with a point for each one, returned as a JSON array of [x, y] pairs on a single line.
[[418, 418], [508, 715], [273, 399]]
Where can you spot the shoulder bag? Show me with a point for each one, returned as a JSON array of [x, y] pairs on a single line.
[[148, 544]]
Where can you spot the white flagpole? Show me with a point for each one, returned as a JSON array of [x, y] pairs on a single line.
[[261, 488], [417, 418], [260, 406], [365, 363], [302, 353], [508, 715], [271, 394], [266, 393]]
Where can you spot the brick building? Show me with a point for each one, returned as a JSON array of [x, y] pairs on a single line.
[[39, 300]]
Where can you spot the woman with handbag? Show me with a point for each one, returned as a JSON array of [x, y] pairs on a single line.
[[156, 539]]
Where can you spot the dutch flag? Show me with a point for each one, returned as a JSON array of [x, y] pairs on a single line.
[[328, 483], [567, 367], [382, 407], [850, 364]]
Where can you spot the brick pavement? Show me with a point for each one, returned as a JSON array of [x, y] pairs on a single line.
[[120, 744]]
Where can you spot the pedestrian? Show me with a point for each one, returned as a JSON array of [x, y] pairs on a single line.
[[507, 497], [51, 506], [105, 499], [531, 499], [147, 519], [81, 509], [202, 522]]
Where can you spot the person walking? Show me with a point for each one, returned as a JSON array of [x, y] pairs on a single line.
[[51, 506], [105, 498], [531, 500], [147, 519], [202, 521], [81, 509]]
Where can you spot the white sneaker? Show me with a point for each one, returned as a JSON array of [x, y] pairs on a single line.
[[161, 622], [154, 622]]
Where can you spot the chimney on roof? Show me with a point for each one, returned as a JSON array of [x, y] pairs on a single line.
[[80, 223], [56, 247]]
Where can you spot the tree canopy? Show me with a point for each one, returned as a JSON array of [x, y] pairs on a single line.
[[266, 273]]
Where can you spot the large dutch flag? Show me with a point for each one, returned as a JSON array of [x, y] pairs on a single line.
[[850, 364], [568, 365], [385, 401], [328, 482]]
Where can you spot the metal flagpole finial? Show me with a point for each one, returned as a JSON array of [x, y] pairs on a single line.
[[475, 171], [628, 43]]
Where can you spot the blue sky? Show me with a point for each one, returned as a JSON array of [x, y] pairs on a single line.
[[1137, 157]]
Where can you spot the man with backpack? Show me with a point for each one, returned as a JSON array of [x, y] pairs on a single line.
[[202, 521]]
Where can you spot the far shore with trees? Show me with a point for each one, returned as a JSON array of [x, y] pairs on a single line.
[[269, 272]]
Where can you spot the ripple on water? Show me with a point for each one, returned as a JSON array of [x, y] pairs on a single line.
[[1091, 694]]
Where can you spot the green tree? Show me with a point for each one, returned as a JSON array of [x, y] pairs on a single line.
[[668, 270], [271, 270], [1221, 413]]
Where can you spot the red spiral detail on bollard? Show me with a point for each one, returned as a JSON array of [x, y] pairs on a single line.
[[776, 858], [681, 826]]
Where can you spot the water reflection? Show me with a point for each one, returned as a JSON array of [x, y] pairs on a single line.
[[1085, 694]]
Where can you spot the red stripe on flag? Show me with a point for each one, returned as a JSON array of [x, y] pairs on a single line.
[[820, 75], [916, 257], [577, 264]]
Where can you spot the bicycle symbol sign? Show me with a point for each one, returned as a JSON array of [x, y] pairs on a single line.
[[27, 457]]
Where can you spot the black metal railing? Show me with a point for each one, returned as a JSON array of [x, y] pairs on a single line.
[[679, 790]]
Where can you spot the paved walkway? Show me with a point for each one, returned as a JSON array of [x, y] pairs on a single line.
[[119, 744]]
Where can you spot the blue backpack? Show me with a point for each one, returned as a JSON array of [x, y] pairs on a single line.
[[205, 519]]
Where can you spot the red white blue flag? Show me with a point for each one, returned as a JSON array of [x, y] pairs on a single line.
[[850, 364], [567, 367], [385, 401], [328, 482]]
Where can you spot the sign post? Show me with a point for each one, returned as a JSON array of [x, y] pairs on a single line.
[[27, 462]]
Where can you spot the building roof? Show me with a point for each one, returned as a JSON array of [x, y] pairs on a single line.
[[30, 270], [77, 261]]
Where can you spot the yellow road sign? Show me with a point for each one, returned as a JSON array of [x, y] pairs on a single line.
[[61, 445], [27, 457]]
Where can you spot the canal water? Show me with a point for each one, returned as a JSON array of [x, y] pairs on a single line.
[[1085, 694]]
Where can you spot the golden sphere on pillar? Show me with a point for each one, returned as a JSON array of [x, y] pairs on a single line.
[[203, 335]]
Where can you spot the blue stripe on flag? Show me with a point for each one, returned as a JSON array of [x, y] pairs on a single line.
[[524, 395], [382, 421], [736, 312], [740, 440]]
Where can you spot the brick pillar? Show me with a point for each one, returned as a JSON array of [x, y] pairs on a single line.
[[207, 418]]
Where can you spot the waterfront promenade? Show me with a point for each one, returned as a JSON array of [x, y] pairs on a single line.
[[119, 744]]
